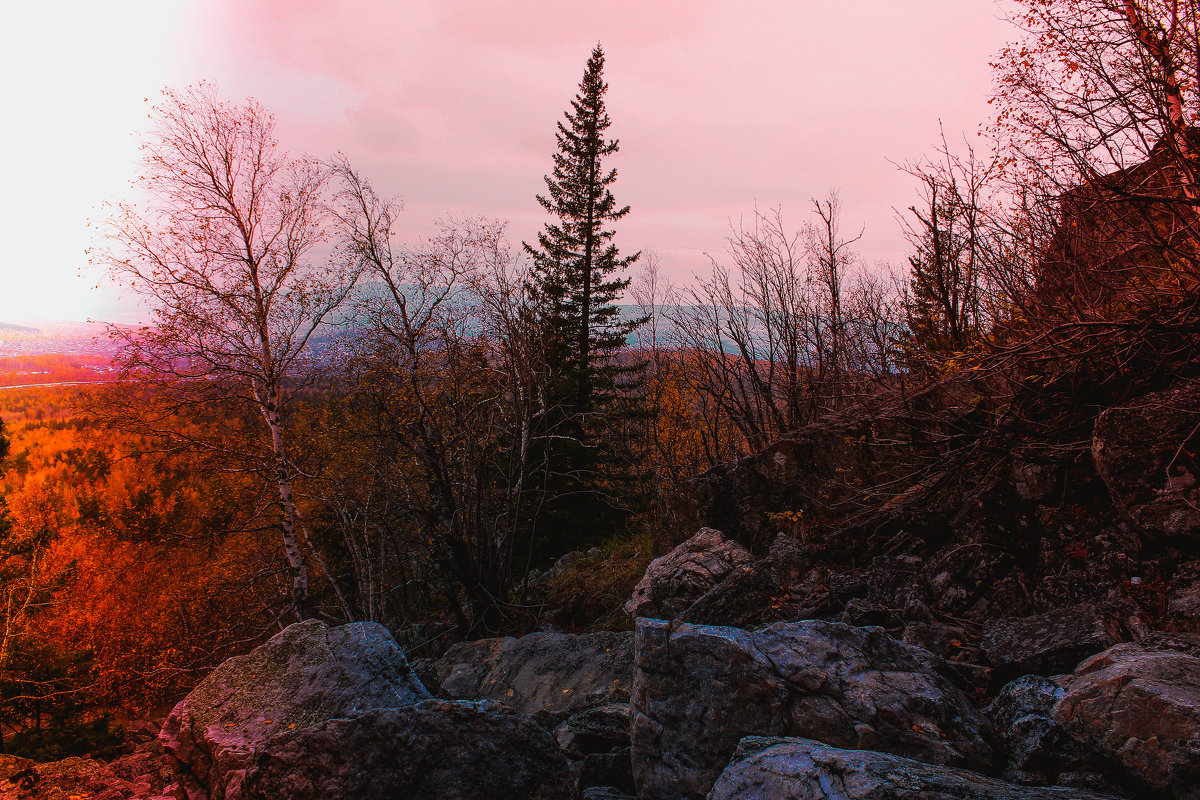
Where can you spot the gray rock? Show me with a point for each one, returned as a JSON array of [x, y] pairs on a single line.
[[676, 580], [1184, 600], [596, 741], [1174, 641], [1142, 452], [801, 769], [861, 612], [303, 677], [698, 690], [940, 639], [542, 673], [596, 730], [1139, 708], [434, 750], [1032, 740], [141, 775], [1045, 644], [755, 595], [972, 581], [604, 793], [1032, 482]]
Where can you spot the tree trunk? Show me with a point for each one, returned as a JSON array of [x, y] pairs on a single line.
[[297, 564]]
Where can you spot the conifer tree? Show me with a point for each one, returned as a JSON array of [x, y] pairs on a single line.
[[576, 266], [576, 282]]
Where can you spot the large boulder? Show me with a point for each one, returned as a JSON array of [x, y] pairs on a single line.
[[1045, 644], [676, 580], [302, 677], [434, 750], [1029, 736], [546, 674], [1037, 750], [801, 769], [765, 591], [1143, 452], [1140, 708], [336, 714], [699, 689]]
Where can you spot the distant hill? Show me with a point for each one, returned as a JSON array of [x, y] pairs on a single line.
[[8, 326]]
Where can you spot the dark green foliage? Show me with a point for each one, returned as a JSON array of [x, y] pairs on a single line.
[[576, 282], [943, 305], [45, 715]]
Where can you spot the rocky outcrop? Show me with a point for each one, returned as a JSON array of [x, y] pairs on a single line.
[[336, 714], [547, 674], [1045, 644], [433, 750], [1143, 452], [801, 769], [698, 690], [763, 592], [302, 677], [1139, 708], [676, 580]]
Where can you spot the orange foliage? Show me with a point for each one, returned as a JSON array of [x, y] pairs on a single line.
[[147, 581]]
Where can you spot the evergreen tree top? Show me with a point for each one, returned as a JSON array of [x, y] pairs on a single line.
[[577, 277]]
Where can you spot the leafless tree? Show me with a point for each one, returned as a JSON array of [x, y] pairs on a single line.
[[784, 335], [228, 251], [1095, 86], [444, 392], [953, 237]]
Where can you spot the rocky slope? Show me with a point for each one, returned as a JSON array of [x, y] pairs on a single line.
[[1017, 646], [671, 711]]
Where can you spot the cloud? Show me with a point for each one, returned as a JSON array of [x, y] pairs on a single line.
[[719, 105]]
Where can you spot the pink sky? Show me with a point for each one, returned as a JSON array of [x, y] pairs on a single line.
[[719, 106]]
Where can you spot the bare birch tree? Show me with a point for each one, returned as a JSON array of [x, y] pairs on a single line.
[[230, 252]]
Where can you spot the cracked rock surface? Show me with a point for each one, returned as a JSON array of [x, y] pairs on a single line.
[[1139, 707], [698, 690], [800, 769]]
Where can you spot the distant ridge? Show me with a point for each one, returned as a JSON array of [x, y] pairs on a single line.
[[8, 326]]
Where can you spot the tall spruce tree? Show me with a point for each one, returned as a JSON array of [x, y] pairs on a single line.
[[576, 282]]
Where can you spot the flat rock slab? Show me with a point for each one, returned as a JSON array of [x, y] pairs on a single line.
[[700, 689], [434, 750], [801, 769], [1045, 644], [542, 673]]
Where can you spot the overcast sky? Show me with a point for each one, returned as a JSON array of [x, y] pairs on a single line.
[[451, 105]]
